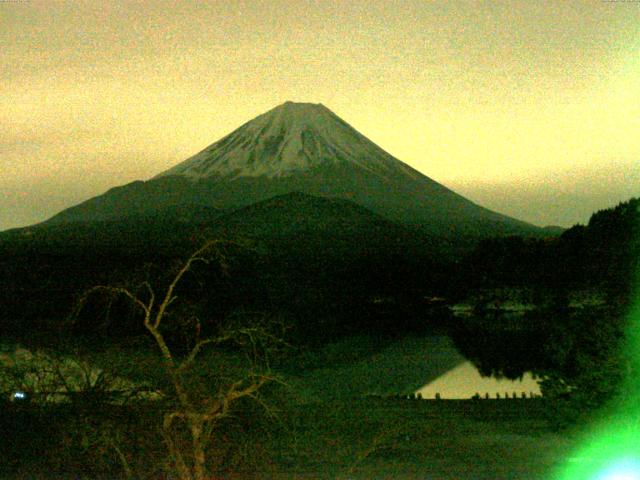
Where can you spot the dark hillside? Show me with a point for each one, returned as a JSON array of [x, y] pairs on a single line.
[[320, 262]]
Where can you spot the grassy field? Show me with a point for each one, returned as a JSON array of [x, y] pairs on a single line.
[[420, 439]]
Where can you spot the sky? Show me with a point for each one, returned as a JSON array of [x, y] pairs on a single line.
[[530, 108]]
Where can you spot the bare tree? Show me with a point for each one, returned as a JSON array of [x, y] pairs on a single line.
[[198, 414]]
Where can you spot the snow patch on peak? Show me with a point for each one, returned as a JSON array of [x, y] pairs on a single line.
[[290, 138]]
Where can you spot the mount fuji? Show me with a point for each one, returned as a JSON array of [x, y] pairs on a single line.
[[306, 148]]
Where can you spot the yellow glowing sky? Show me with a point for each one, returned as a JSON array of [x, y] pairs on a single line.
[[531, 108]]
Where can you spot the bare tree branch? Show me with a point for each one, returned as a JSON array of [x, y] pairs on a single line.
[[197, 256], [199, 416]]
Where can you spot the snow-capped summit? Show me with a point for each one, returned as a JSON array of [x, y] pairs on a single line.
[[290, 138]]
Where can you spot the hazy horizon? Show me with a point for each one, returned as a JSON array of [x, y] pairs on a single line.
[[529, 109]]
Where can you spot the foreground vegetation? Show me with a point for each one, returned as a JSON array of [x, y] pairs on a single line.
[[314, 423], [364, 438]]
